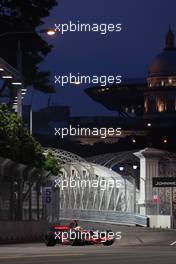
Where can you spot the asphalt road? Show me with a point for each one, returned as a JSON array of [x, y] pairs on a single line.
[[39, 253]]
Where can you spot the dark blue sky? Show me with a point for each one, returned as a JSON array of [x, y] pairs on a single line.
[[129, 53]]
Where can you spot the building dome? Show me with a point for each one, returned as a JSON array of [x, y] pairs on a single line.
[[164, 64], [162, 71]]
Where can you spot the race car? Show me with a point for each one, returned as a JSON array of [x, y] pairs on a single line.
[[64, 235]]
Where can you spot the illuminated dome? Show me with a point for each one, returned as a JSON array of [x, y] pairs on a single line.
[[162, 71], [164, 64]]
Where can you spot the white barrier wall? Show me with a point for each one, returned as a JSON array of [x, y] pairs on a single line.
[[160, 221]]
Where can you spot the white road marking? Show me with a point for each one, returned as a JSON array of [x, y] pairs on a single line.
[[173, 243]]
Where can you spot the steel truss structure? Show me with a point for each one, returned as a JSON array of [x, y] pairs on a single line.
[[89, 186]]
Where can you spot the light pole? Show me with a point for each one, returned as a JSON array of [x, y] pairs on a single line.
[[20, 85], [171, 207], [31, 114], [134, 184], [19, 67]]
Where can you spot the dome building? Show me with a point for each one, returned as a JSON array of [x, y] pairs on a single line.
[[152, 98], [160, 97], [146, 108], [162, 71]]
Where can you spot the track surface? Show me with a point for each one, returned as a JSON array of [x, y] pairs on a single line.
[[39, 253], [137, 246]]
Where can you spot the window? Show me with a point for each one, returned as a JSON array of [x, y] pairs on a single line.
[[161, 104], [170, 80]]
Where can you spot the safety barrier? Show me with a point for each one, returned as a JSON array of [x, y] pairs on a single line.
[[123, 218]]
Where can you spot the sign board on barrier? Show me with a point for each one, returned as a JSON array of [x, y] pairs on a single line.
[[164, 182], [47, 194]]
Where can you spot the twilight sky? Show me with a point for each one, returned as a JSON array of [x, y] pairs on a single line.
[[129, 53]]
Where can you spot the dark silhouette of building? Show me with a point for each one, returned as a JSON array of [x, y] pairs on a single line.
[[152, 99], [150, 102]]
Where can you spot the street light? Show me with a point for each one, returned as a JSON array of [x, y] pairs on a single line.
[[135, 167], [7, 77], [16, 83], [133, 140], [49, 32], [149, 124], [165, 141]]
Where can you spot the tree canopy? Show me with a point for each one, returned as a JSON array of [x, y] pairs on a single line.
[[27, 16], [17, 144]]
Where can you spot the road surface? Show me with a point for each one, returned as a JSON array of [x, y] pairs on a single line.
[[39, 253]]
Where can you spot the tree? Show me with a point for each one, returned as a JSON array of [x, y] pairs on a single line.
[[51, 164], [28, 15], [17, 144]]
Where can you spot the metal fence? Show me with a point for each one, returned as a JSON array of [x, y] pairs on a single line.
[[105, 217]]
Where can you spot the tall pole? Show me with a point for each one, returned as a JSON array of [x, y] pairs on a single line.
[[125, 194], [134, 194], [19, 67], [171, 206], [30, 198], [59, 205], [31, 119], [31, 114]]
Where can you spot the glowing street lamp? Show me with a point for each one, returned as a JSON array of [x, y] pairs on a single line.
[[16, 83], [165, 141], [149, 124], [49, 32], [133, 140], [121, 168], [7, 77]]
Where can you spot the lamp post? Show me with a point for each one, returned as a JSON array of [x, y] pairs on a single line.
[[134, 185], [31, 114], [20, 85], [19, 67]]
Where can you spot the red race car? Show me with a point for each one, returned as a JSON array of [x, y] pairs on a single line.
[[77, 236]]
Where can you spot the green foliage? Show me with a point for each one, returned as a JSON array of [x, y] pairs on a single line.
[[51, 164], [15, 141], [17, 144], [27, 16]]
